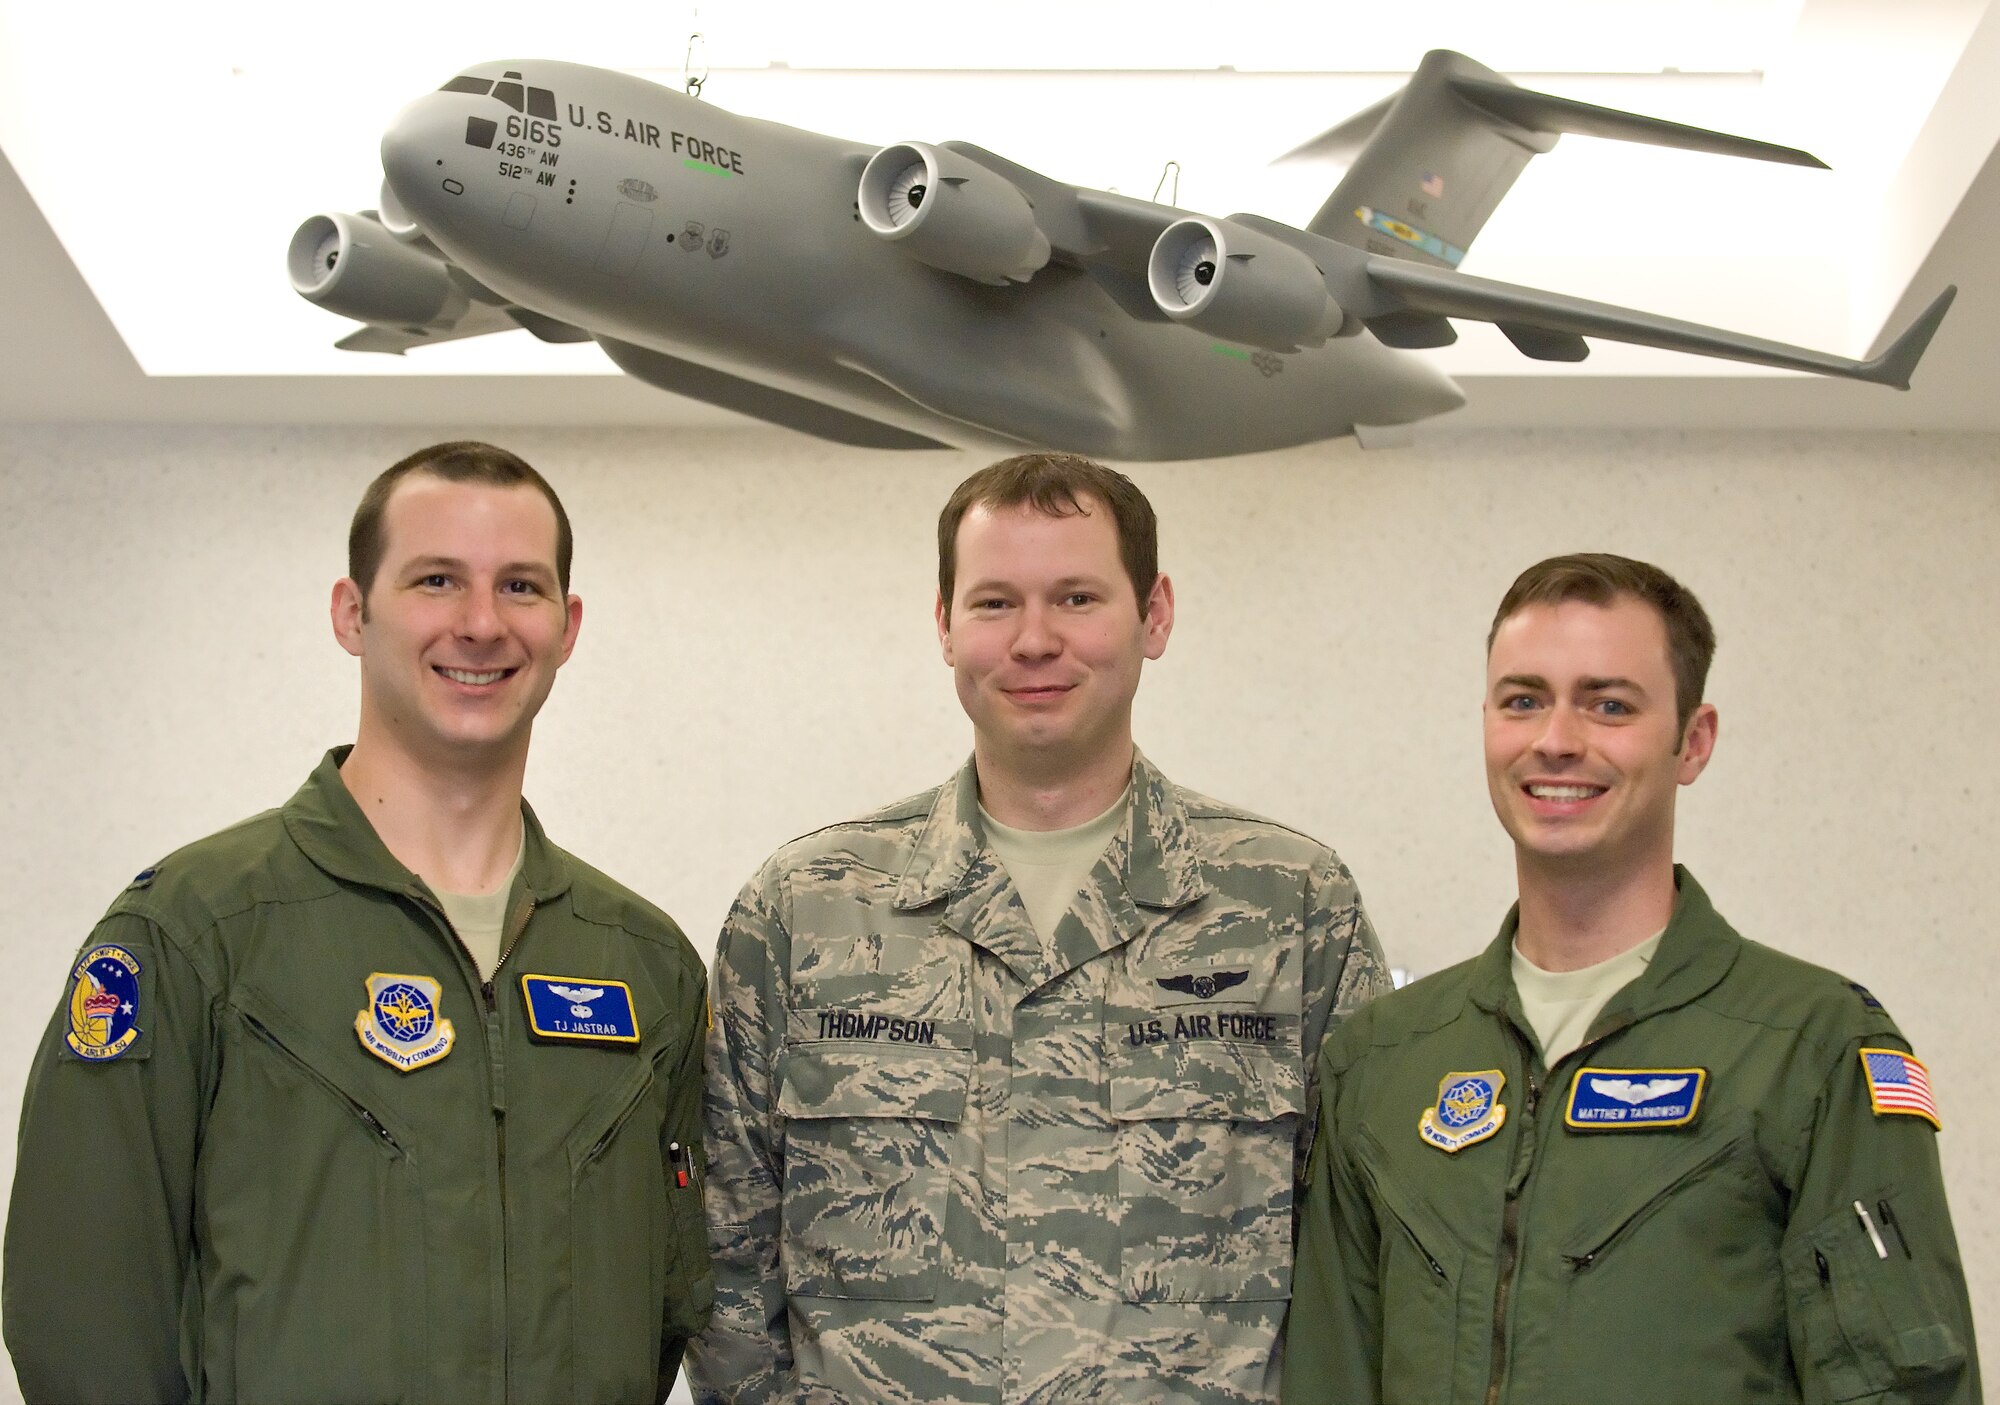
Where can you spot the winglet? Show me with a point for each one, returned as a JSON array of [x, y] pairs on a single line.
[[1895, 365]]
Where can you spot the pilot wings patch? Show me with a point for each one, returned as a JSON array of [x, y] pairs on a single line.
[[590, 1010], [1627, 1099], [1205, 984]]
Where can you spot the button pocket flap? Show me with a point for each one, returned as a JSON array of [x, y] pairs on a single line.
[[1876, 1317], [1216, 1080], [827, 1079]]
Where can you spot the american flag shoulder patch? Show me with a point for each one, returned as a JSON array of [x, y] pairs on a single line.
[[1899, 1082]]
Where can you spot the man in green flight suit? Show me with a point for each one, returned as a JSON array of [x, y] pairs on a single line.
[[1007, 1079], [1625, 1154], [379, 1095]]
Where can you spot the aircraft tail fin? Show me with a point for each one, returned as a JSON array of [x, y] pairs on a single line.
[[1432, 162]]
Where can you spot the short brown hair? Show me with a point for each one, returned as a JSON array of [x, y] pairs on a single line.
[[459, 461], [1599, 578], [1056, 485]]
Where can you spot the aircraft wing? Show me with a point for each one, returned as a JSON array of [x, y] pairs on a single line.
[[1405, 297]]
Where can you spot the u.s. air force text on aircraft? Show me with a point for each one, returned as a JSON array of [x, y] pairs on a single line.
[[876, 292]]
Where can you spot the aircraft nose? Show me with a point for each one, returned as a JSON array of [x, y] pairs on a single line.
[[425, 155]]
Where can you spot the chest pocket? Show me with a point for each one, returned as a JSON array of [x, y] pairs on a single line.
[[868, 1142], [1205, 1140]]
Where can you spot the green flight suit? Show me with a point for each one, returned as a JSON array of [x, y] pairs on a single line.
[[223, 1194], [1713, 1254]]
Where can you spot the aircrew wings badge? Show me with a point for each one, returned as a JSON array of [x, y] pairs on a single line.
[[587, 1008], [401, 1025], [1627, 1099], [103, 1004], [1468, 1110]]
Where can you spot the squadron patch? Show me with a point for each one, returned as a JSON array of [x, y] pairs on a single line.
[[103, 1004], [1627, 1099], [401, 1025], [1468, 1110], [576, 1007], [1899, 1082]]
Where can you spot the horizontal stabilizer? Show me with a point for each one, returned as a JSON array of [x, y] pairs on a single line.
[[1342, 142], [1540, 112], [1430, 163], [1551, 321]]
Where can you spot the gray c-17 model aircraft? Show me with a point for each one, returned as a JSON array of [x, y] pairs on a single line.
[[922, 296]]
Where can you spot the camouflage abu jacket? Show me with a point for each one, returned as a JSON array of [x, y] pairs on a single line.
[[953, 1162]]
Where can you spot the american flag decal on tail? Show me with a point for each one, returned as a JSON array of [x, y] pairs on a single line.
[[1899, 1082]]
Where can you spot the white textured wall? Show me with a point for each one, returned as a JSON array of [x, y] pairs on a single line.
[[757, 659]]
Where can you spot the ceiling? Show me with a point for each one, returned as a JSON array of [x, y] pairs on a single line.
[[146, 195]]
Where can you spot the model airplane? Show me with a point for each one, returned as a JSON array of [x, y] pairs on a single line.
[[924, 296]]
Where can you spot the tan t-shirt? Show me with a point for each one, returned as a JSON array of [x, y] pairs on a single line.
[[479, 917], [1048, 866], [1561, 1005]]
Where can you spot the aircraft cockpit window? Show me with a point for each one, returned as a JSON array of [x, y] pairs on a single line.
[[509, 93], [541, 103], [462, 84]]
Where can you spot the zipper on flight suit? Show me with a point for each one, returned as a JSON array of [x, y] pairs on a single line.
[[1580, 1262], [490, 999], [1510, 1228], [368, 1119], [487, 994]]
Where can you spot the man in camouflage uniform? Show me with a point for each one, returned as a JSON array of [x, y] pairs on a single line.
[[1007, 1079]]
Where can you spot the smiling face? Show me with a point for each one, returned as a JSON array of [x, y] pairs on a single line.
[[1584, 754], [1046, 639], [463, 628]]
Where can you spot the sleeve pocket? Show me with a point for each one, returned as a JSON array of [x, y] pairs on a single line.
[[1862, 1323]]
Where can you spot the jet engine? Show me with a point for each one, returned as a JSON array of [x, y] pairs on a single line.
[[352, 265], [1233, 282], [952, 213]]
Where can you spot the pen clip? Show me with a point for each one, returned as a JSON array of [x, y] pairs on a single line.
[[1875, 1238]]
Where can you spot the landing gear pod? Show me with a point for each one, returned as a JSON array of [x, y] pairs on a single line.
[[352, 265], [1235, 283], [952, 213]]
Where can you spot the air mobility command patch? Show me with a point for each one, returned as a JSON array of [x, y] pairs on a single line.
[[1628, 1099], [577, 1007], [401, 1025], [103, 1004], [1899, 1082], [1468, 1110]]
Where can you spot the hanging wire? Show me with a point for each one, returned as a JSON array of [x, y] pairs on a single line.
[[695, 78], [1172, 168]]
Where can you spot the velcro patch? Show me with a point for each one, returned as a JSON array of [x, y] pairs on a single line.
[[1468, 1110], [1899, 1082], [103, 1004], [402, 1023], [586, 1008], [1632, 1099]]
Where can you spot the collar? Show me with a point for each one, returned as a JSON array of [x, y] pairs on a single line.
[[1153, 851], [1696, 951], [331, 830]]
